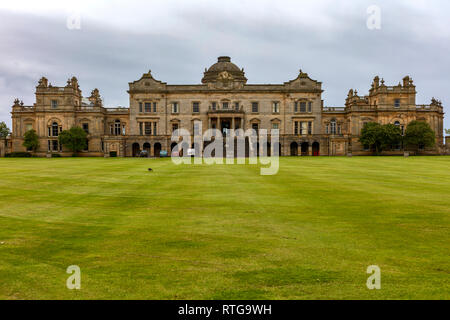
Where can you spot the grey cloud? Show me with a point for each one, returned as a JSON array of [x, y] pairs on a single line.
[[343, 54]]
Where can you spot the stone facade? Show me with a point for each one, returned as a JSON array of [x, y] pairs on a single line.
[[223, 100]]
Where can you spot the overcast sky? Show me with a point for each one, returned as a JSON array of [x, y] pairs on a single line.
[[120, 40]]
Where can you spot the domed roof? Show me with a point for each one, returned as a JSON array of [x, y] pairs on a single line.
[[224, 64]]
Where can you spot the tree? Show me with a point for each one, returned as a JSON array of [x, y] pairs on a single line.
[[447, 131], [372, 136], [419, 134], [74, 139], [380, 137], [31, 140], [391, 136], [4, 130]]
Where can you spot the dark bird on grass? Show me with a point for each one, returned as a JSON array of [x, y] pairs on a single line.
[[150, 169]]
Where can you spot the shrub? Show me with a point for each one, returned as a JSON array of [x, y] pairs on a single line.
[[18, 155]]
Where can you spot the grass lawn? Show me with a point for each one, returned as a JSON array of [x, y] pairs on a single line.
[[225, 231]]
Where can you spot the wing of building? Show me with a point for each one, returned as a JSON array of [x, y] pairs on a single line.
[[224, 100]]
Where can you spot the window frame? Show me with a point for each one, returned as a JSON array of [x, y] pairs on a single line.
[[255, 104], [196, 107]]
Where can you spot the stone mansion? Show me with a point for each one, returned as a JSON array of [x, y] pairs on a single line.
[[223, 100]]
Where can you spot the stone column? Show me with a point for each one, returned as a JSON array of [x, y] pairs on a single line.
[[209, 122], [310, 150], [232, 123]]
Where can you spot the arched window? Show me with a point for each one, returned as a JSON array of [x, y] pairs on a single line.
[[55, 129], [399, 125]]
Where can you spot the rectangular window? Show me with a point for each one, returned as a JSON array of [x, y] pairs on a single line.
[[140, 106], [49, 145], [275, 126], [303, 127], [86, 148], [296, 106], [86, 127], [333, 127], [54, 104], [296, 127], [196, 107], [54, 145], [175, 107], [148, 128], [154, 107], [174, 127], [225, 105], [28, 127], [397, 103], [302, 106], [255, 127], [236, 106], [255, 107], [155, 128], [309, 127], [148, 107], [214, 106], [309, 106], [276, 107], [141, 131]]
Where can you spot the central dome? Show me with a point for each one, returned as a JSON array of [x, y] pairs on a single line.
[[223, 64]]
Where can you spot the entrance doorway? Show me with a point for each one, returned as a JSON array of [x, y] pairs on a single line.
[[316, 149], [304, 148], [294, 149], [157, 149], [136, 149], [147, 149]]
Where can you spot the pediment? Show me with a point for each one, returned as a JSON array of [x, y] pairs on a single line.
[[303, 82], [147, 83]]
